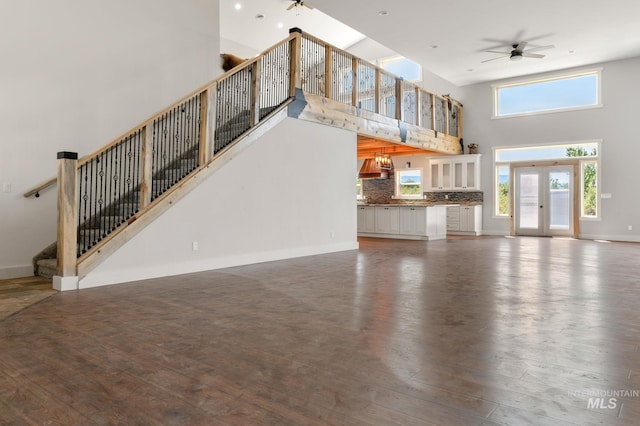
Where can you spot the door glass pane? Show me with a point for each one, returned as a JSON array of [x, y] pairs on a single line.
[[435, 182], [528, 201], [446, 175], [457, 175], [471, 174], [559, 200]]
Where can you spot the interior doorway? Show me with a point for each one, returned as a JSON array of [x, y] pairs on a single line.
[[544, 201]]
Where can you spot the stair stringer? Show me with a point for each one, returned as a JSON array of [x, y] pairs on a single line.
[[115, 240]]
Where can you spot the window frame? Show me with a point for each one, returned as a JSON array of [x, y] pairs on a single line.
[[398, 184], [495, 88], [582, 162]]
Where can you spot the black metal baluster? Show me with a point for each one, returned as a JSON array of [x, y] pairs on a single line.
[[186, 140], [81, 206], [94, 202], [114, 185]]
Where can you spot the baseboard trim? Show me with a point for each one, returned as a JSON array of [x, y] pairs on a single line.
[[99, 278], [609, 237], [9, 272]]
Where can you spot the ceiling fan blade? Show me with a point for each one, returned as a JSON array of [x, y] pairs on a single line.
[[539, 48], [521, 46], [292, 6], [307, 5], [493, 59], [532, 55]]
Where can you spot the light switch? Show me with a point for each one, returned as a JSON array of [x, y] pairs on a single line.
[[6, 187]]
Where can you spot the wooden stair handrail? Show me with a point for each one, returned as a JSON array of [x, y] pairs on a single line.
[[83, 160]]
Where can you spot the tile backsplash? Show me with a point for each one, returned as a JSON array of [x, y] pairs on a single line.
[[380, 191]]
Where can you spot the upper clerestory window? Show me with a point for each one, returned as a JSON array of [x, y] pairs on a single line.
[[553, 94], [403, 67]]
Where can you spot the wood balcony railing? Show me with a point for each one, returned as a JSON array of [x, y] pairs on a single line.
[[335, 74], [104, 195]]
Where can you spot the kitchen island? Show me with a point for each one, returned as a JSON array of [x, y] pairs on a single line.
[[418, 221]]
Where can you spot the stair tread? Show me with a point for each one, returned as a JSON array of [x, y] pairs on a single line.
[[51, 263]]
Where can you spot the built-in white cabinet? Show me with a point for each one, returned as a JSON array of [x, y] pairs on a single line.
[[366, 219], [413, 220], [406, 221], [466, 173], [439, 174], [464, 220], [455, 173], [387, 220]]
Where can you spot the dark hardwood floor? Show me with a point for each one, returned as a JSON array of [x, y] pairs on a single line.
[[463, 331]]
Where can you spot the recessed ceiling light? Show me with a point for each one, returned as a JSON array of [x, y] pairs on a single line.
[[383, 13], [280, 25], [572, 51], [469, 69], [238, 6], [259, 16], [434, 46]]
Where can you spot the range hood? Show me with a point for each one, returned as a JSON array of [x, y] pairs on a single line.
[[370, 170]]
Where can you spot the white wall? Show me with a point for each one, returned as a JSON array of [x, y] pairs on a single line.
[[289, 194], [76, 74], [615, 124]]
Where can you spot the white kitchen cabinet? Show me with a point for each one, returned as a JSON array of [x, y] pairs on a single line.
[[466, 172], [437, 223], [387, 220], [453, 218], [439, 174], [366, 219], [413, 220], [465, 220], [426, 222], [455, 173]]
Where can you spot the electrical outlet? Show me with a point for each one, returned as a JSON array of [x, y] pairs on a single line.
[[332, 234], [446, 196], [630, 228], [194, 246], [6, 187]]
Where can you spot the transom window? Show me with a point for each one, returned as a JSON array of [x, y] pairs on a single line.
[[561, 93]]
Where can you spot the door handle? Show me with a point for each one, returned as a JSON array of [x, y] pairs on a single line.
[[540, 206]]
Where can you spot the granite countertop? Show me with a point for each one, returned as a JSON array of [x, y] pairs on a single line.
[[426, 204]]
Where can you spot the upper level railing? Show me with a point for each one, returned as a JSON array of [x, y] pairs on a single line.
[[117, 184], [336, 74]]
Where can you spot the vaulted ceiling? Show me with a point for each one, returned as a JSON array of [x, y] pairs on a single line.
[[449, 38]]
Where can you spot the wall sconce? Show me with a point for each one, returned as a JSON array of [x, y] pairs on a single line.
[[407, 164]]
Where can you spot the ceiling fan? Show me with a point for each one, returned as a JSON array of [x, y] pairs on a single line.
[[517, 51], [299, 3]]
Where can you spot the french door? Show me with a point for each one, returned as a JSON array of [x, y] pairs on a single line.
[[544, 201]]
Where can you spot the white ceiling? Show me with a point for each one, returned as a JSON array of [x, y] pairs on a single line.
[[583, 32]]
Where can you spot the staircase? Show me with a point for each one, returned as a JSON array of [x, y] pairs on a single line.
[[137, 176], [97, 227]]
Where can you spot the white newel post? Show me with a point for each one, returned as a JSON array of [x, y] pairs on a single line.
[[67, 270]]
